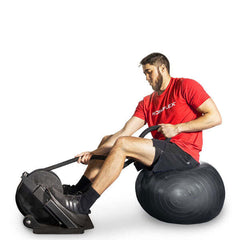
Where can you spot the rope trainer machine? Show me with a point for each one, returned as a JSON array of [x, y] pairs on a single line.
[[184, 197]]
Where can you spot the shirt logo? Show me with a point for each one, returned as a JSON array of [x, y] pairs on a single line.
[[164, 108]]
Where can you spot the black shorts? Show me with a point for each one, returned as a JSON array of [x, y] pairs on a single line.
[[168, 156]]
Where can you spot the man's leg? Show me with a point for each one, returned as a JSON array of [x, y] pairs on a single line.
[[138, 148]]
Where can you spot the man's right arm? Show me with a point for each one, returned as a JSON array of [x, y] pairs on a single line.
[[131, 126]]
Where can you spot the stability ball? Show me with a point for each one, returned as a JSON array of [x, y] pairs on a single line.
[[185, 197]]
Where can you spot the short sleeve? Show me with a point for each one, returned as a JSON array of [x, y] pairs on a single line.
[[193, 93], [139, 112]]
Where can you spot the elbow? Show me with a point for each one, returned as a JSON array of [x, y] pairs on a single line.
[[217, 120], [214, 119], [220, 121]]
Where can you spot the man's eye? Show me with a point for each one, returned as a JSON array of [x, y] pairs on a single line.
[[148, 72]]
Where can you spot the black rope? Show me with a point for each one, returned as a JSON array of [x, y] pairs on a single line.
[[61, 164], [100, 157], [64, 163]]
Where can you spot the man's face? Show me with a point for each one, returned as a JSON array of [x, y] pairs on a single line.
[[153, 76]]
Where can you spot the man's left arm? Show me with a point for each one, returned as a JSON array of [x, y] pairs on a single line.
[[210, 118]]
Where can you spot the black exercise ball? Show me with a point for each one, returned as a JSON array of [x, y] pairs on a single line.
[[184, 197]]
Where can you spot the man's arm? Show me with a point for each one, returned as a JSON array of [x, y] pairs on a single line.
[[131, 126], [210, 118]]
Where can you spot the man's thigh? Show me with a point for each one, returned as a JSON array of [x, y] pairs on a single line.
[[139, 148]]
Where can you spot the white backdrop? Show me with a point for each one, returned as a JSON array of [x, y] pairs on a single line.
[[70, 75]]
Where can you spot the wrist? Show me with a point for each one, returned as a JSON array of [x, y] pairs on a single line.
[[179, 128]]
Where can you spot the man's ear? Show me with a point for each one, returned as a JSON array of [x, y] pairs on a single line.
[[162, 68]]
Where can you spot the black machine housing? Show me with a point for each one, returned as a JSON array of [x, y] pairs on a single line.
[[41, 212]]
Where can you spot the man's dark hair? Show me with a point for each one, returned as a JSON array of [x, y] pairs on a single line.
[[156, 59]]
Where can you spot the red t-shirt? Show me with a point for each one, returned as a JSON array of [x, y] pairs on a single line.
[[177, 104]]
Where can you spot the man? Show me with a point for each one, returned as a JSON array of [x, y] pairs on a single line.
[[180, 107]]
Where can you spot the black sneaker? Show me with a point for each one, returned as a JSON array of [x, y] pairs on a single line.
[[70, 203]]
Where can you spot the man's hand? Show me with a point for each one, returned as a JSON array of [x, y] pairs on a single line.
[[84, 157], [168, 130]]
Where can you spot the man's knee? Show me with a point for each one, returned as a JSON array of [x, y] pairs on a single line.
[[122, 142]]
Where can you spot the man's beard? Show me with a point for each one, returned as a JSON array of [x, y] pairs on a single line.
[[158, 83]]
